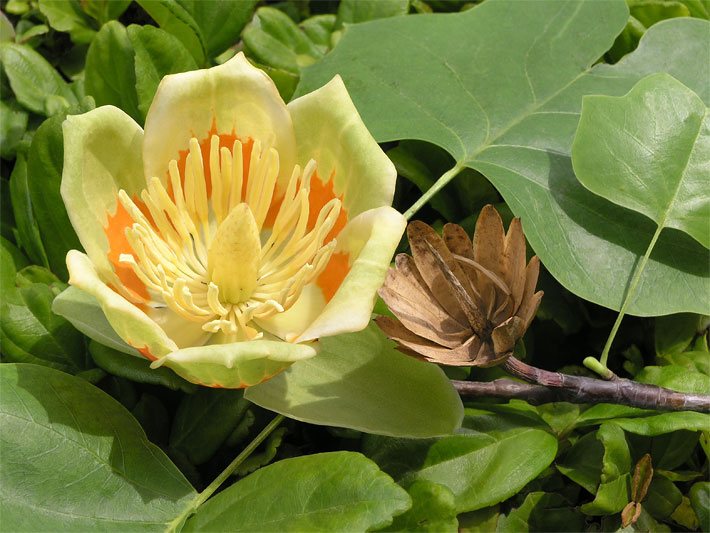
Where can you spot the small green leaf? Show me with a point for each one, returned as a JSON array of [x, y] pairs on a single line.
[[32, 78], [648, 151], [674, 333], [74, 459], [263, 457], [68, 16], [105, 10], [433, 509], [84, 312], [493, 457], [32, 333], [350, 384], [324, 492], [110, 72], [613, 492], [675, 378], [274, 39], [13, 124], [136, 368], [44, 175], [175, 19], [542, 511], [220, 21], [27, 231], [663, 498], [354, 11], [665, 423], [583, 462], [700, 500], [204, 420], [157, 53]]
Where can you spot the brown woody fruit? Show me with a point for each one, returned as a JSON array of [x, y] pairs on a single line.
[[459, 302]]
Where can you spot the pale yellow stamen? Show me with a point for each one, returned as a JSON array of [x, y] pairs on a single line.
[[210, 259]]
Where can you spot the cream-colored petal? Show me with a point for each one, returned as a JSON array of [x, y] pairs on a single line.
[[182, 332], [102, 154], [127, 320], [369, 241], [289, 324], [330, 130], [236, 365], [232, 98]]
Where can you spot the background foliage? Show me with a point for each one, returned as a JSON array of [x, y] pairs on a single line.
[[522, 105]]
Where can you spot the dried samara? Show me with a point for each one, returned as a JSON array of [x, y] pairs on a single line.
[[459, 302]]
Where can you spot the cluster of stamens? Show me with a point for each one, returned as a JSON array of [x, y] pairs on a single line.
[[197, 254]]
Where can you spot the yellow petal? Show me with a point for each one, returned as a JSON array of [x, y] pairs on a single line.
[[102, 154], [233, 100], [330, 130], [128, 321]]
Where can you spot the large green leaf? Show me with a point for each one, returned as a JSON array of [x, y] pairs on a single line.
[[338, 491], [649, 151], [500, 88], [493, 458], [74, 459], [360, 381], [175, 19]]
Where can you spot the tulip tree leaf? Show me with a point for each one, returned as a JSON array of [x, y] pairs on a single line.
[[649, 151], [500, 87], [351, 383], [75, 459], [335, 491]]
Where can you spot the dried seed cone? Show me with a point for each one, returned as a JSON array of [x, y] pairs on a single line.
[[459, 302]]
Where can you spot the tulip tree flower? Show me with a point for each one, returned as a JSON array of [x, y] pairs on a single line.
[[234, 231]]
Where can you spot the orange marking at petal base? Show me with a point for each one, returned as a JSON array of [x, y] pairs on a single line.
[[320, 194], [333, 275], [145, 352], [226, 140], [118, 244]]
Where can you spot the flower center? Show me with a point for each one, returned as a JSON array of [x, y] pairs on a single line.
[[232, 255]]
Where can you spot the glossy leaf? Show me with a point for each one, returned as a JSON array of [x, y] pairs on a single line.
[[13, 124], [220, 21], [68, 16], [433, 509], [27, 231], [674, 333], [492, 458], [354, 11], [542, 511], [700, 500], [175, 19], [33, 79], [649, 151], [613, 491], [157, 54], [110, 73], [359, 381], [324, 492], [74, 459], [515, 123], [204, 420], [44, 174]]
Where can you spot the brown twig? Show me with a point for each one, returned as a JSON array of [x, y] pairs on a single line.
[[545, 386]]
